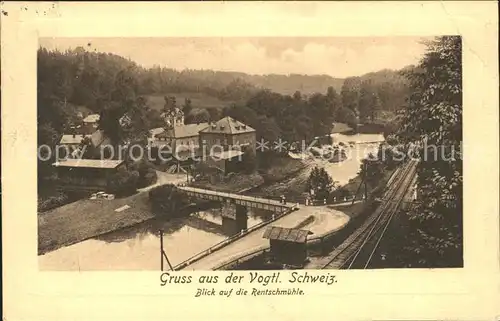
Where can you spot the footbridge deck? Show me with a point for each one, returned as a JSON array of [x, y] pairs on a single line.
[[238, 199]]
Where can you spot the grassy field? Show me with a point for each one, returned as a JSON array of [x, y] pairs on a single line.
[[198, 100], [88, 219]]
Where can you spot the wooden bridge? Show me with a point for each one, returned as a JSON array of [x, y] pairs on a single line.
[[238, 199]]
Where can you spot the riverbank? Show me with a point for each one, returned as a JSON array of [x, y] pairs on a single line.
[[86, 218], [279, 169]]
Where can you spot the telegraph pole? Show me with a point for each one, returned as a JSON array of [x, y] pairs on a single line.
[[364, 179], [161, 250], [163, 254]]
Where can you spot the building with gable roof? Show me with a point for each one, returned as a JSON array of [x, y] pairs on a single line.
[[86, 174], [72, 140], [225, 143], [178, 138], [227, 134]]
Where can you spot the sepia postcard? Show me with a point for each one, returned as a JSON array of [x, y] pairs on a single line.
[[195, 158]]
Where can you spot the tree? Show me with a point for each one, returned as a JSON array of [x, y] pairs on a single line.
[[350, 94], [334, 100], [365, 101], [187, 107], [372, 170], [170, 103], [249, 161], [167, 200], [154, 118], [321, 111], [433, 121], [267, 129], [146, 171], [123, 182], [243, 114], [369, 101], [215, 113], [109, 122], [297, 95], [321, 182], [346, 115]]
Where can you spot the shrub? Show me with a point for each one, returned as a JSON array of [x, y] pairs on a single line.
[[146, 171], [341, 192], [52, 202], [249, 161], [150, 177], [123, 183], [167, 200], [321, 182]]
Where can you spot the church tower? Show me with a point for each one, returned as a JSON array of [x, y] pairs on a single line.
[[173, 117]]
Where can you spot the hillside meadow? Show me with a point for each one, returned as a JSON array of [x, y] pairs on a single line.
[[198, 100]]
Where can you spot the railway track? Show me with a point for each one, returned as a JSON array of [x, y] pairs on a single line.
[[360, 245]]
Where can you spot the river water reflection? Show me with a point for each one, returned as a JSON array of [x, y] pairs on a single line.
[[138, 247]]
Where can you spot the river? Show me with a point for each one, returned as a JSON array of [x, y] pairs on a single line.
[[138, 247], [364, 144]]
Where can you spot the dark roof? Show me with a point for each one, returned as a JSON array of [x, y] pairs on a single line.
[[286, 234], [190, 130], [228, 125]]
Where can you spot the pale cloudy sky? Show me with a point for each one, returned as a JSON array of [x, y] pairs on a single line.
[[337, 57]]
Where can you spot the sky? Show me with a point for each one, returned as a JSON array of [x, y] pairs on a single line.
[[337, 57]]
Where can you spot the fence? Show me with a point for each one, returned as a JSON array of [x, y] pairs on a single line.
[[318, 240], [230, 239], [323, 241], [244, 258], [303, 200]]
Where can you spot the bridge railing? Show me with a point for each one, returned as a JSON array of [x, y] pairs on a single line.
[[242, 197], [243, 258], [227, 241]]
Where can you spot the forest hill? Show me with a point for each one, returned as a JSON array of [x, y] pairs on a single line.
[[102, 83]]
